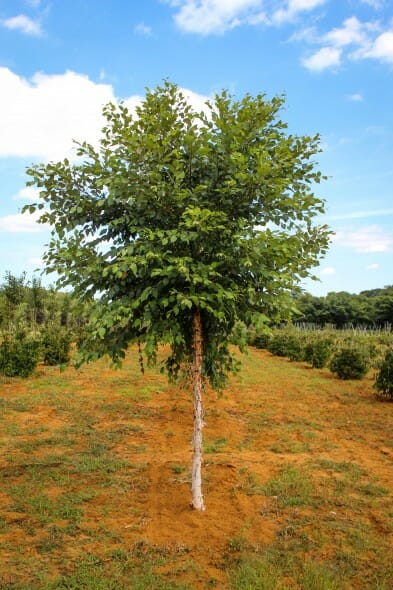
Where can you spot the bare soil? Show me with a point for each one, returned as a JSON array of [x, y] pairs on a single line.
[[97, 462]]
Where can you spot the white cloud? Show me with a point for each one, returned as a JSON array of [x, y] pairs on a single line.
[[41, 117], [197, 101], [308, 34], [206, 17], [352, 32], [324, 58], [382, 48], [373, 266], [365, 240], [293, 8], [24, 24], [215, 16], [328, 271], [336, 42], [361, 214], [209, 17], [28, 193], [303, 5], [22, 223], [354, 40], [356, 97], [143, 29]]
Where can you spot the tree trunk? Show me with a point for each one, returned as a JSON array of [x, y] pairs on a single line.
[[197, 497]]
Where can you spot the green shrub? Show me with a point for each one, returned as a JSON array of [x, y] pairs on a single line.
[[384, 378], [350, 363], [261, 340], [277, 344], [317, 352], [288, 344], [56, 346], [19, 355], [295, 348]]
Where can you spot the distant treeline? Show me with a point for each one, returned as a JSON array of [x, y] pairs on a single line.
[[27, 304], [373, 308]]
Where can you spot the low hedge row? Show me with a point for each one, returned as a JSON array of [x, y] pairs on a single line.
[[20, 352], [348, 356]]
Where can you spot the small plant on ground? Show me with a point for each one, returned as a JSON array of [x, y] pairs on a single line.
[[216, 445], [318, 576], [254, 573], [384, 377], [349, 363], [292, 487]]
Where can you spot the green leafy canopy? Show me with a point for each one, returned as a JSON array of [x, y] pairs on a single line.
[[178, 210]]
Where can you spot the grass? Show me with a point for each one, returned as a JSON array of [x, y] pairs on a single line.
[[95, 482], [254, 574], [292, 487], [216, 445], [318, 576]]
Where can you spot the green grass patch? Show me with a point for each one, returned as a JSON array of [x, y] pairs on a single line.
[[216, 445], [292, 487], [254, 573]]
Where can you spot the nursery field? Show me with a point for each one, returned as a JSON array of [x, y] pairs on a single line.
[[95, 481]]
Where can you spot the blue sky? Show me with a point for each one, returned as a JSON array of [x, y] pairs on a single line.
[[61, 61]]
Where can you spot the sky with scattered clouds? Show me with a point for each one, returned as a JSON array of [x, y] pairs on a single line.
[[60, 62]]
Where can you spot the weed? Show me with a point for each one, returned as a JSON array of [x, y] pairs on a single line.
[[290, 447], [346, 563], [177, 469], [371, 489], [254, 573], [215, 446], [12, 429], [3, 525], [292, 487], [53, 541], [21, 405], [237, 544], [318, 576], [87, 464], [350, 469], [249, 484]]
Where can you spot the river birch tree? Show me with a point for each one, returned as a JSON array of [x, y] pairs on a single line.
[[180, 224]]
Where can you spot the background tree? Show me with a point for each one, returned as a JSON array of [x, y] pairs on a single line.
[[180, 224], [36, 299], [13, 290], [368, 308]]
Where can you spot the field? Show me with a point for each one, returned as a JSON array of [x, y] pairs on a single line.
[[95, 481]]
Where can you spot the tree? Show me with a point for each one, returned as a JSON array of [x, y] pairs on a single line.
[[36, 299], [180, 224], [13, 289]]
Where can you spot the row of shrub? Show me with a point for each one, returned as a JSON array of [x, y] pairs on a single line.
[[21, 351], [347, 355]]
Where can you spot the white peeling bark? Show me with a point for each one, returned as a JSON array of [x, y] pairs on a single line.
[[196, 486]]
